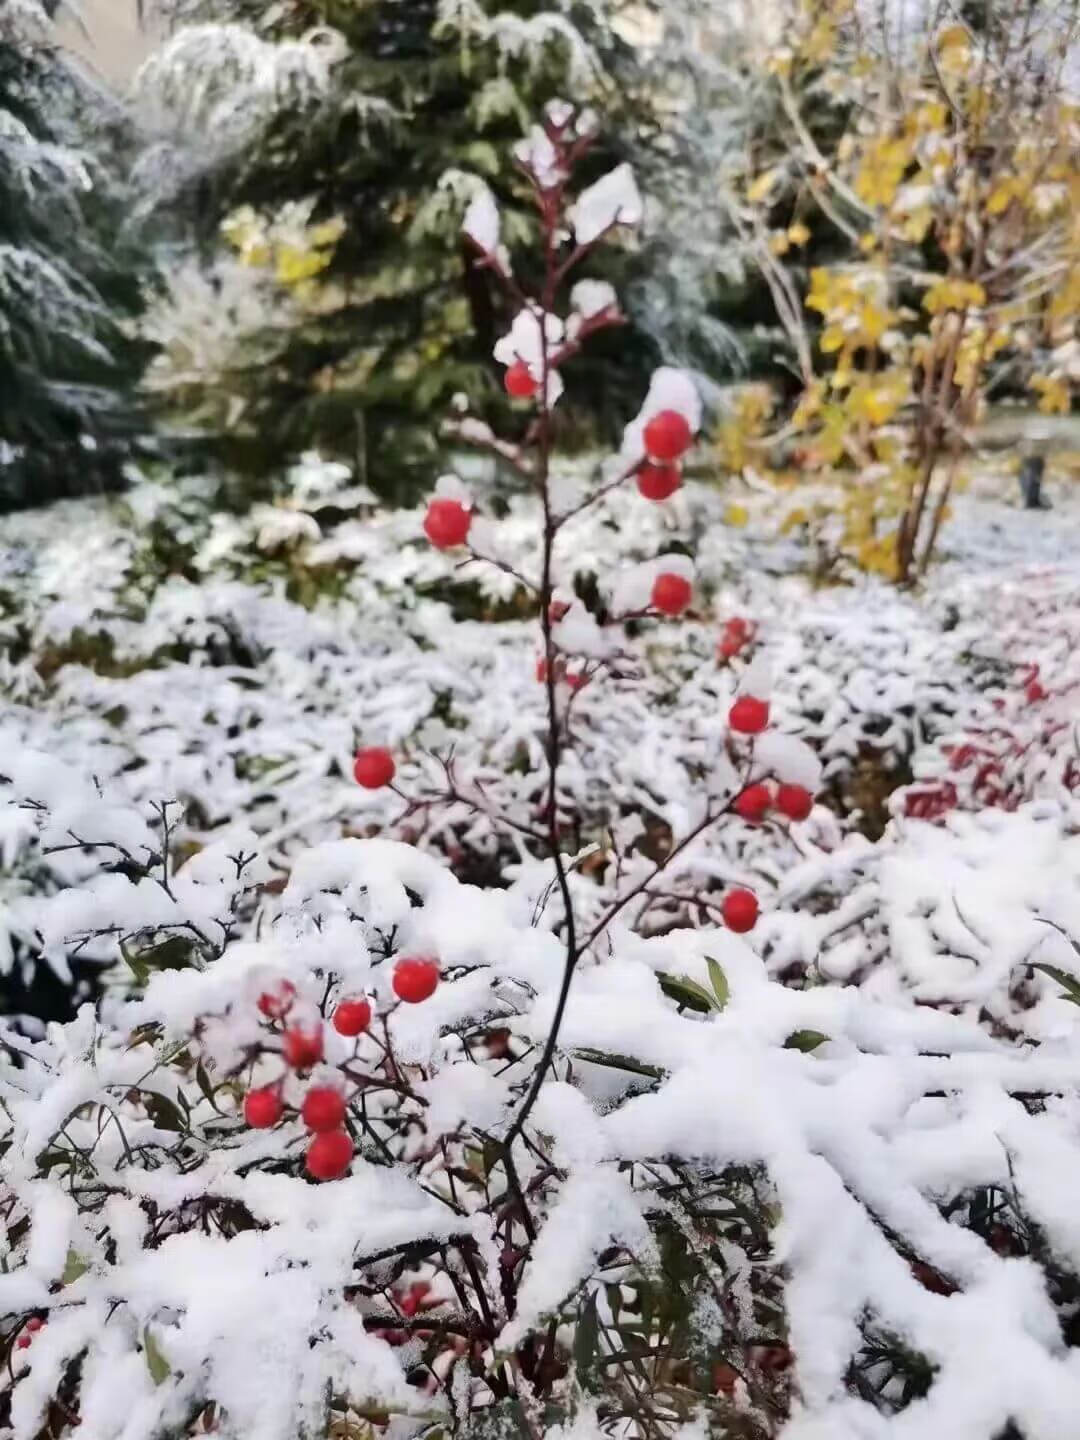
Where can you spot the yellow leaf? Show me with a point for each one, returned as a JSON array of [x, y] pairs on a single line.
[[736, 515], [327, 232], [760, 188], [798, 233], [779, 243], [1053, 392]]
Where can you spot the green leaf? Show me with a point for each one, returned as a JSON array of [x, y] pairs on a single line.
[[619, 1062], [805, 1040], [155, 1360], [586, 1337], [202, 1079], [165, 1114], [1069, 983], [686, 992], [73, 1268], [719, 982]]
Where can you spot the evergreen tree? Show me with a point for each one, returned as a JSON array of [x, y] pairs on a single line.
[[66, 368], [374, 124]]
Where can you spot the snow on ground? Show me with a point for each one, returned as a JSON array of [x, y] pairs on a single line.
[[879, 1057]]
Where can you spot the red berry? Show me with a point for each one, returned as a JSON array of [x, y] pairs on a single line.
[[749, 715], [262, 1109], [352, 1017], [558, 610], [576, 679], [671, 594], [329, 1155], [794, 801], [23, 1342], [542, 670], [323, 1108], [373, 768], [753, 803], [415, 979], [667, 435], [34, 1324], [446, 523], [657, 482], [277, 1003], [738, 627], [303, 1047], [519, 381], [740, 911], [1035, 692], [728, 646], [414, 1297]]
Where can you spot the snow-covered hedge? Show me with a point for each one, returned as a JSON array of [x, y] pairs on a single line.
[[854, 1198]]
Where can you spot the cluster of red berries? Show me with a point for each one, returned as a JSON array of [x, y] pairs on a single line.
[[666, 437], [324, 1107], [29, 1330], [755, 802]]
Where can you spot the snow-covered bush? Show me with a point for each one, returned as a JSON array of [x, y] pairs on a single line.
[[356, 1147]]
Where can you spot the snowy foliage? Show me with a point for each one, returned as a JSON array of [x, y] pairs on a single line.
[[62, 301]]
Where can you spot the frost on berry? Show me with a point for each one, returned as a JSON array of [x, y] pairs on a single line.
[[277, 999]]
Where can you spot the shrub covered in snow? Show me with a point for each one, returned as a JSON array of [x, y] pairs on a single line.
[[700, 1116]]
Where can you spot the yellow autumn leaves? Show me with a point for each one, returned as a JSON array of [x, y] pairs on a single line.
[[289, 245]]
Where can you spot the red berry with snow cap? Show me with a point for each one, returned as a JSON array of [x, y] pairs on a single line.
[[329, 1155], [374, 767], [303, 1046], [446, 523], [276, 1003], [753, 803], [667, 435], [262, 1109], [740, 910], [352, 1017], [323, 1108], [23, 1342], [658, 482], [749, 715], [671, 594], [519, 381], [794, 801], [34, 1324], [415, 979]]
